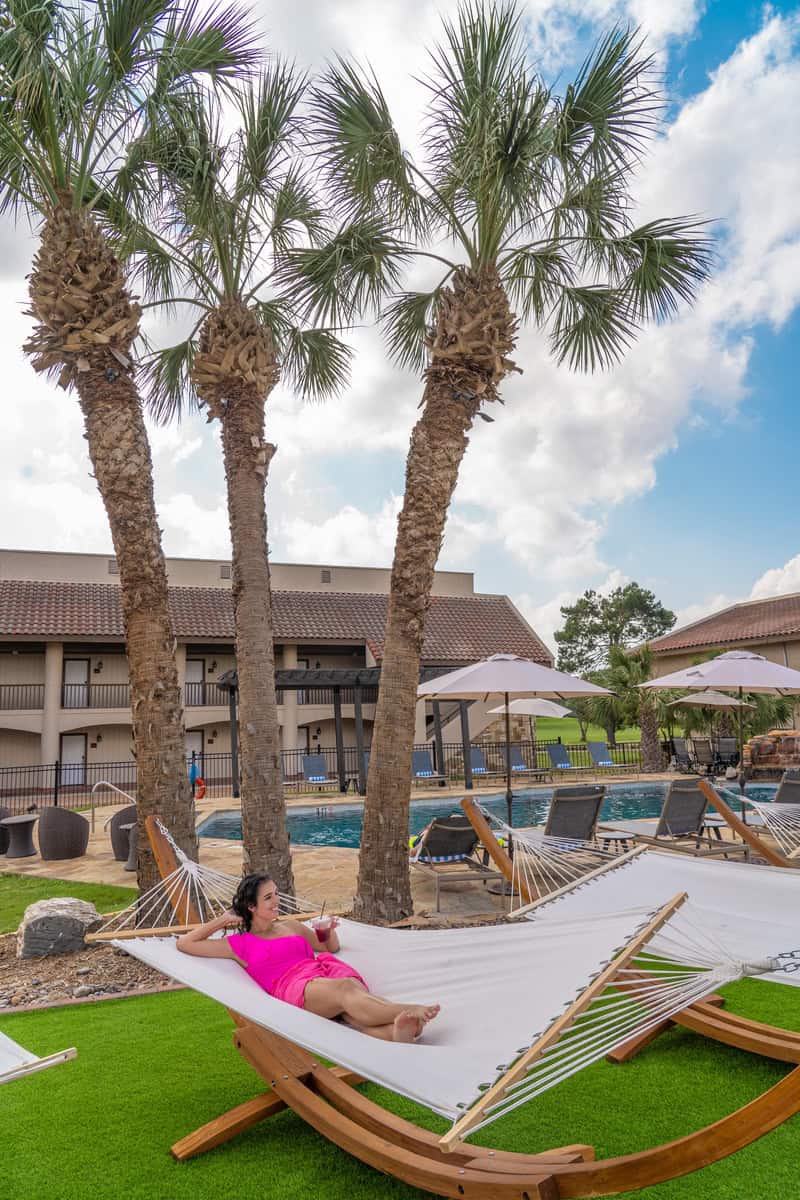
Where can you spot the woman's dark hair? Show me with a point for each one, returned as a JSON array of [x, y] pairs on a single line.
[[247, 895]]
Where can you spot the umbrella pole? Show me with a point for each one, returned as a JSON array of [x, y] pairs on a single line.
[[509, 793], [741, 757]]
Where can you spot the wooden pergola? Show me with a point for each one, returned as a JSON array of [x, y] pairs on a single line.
[[355, 679]]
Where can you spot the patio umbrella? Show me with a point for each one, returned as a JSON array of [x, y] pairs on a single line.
[[533, 709], [503, 676], [709, 699], [737, 671]]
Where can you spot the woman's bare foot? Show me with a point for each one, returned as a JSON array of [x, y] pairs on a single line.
[[407, 1027], [425, 1012]]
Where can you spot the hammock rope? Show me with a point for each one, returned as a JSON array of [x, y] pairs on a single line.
[[781, 820], [681, 964], [542, 863], [191, 884]]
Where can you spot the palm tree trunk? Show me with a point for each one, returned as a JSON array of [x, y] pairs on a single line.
[[247, 457], [474, 332], [120, 454], [652, 758], [86, 324], [437, 447]]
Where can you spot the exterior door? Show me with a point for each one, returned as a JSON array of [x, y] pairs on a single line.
[[73, 759], [194, 745], [76, 683], [195, 681]]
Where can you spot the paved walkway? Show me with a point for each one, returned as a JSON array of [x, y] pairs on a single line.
[[321, 873]]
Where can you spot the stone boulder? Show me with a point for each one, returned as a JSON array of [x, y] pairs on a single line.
[[56, 926]]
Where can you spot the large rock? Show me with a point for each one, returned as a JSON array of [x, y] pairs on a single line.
[[56, 926]]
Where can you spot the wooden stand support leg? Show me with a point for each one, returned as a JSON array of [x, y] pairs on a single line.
[[630, 1049]]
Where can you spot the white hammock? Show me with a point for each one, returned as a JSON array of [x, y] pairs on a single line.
[[781, 820], [501, 988], [16, 1061]]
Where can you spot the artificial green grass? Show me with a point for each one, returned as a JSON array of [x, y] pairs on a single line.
[[152, 1069], [18, 891]]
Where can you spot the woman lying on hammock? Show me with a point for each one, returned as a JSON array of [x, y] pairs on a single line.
[[291, 963]]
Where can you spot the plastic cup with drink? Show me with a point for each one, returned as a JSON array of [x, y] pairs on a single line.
[[322, 927]]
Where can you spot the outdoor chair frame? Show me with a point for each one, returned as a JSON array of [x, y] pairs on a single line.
[[446, 853], [327, 1100], [520, 769], [313, 766], [602, 760], [574, 812], [560, 759], [422, 768], [681, 824]]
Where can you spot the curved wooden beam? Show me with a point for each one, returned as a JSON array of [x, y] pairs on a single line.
[[496, 853], [745, 832]]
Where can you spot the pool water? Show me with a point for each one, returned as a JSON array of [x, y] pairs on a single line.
[[340, 824]]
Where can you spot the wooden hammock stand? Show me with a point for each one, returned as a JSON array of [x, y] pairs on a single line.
[[327, 1100]]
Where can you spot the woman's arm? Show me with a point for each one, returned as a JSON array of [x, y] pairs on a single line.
[[196, 941], [331, 946]]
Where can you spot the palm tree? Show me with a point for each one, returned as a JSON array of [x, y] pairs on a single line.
[[525, 198], [638, 706], [74, 84], [234, 206]]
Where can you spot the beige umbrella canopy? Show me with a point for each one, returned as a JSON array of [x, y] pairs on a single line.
[[533, 708], [710, 699], [504, 676], [737, 671]]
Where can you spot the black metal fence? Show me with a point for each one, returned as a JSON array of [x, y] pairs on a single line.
[[21, 696], [71, 784]]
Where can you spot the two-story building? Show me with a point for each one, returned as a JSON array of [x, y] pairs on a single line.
[[64, 692]]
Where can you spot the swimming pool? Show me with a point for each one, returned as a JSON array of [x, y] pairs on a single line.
[[340, 824]]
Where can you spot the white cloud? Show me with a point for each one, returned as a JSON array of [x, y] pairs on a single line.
[[778, 581], [349, 536]]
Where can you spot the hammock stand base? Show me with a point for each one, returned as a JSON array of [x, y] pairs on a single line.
[[326, 1099]]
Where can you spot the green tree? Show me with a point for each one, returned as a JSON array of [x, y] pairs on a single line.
[[625, 617], [638, 706], [75, 83], [524, 197], [229, 209]]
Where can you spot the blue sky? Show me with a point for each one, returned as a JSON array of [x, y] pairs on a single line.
[[676, 469]]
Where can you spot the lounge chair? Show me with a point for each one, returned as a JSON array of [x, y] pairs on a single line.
[[15, 1061], [445, 851], [680, 752], [601, 758], [559, 757], [727, 753], [680, 825], [705, 759], [422, 768], [315, 771], [478, 764], [62, 834], [574, 812], [286, 1051], [520, 768]]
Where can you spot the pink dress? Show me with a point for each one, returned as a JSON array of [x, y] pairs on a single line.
[[283, 966]]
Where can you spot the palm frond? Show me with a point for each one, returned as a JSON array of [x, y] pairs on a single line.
[[359, 148], [667, 260], [269, 128], [535, 277], [222, 44], [316, 362], [611, 109], [169, 394], [406, 323], [347, 277], [295, 211], [277, 316], [592, 327]]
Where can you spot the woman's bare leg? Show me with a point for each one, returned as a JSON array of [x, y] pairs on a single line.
[[370, 1014]]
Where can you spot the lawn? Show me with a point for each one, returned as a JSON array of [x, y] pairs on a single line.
[[18, 891], [549, 729], [152, 1069]]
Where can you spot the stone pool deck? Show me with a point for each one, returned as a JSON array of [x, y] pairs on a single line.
[[321, 872]]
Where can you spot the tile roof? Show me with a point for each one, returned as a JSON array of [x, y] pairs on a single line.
[[753, 621], [460, 629]]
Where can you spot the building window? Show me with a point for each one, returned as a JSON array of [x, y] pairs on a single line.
[[325, 575], [113, 569], [225, 570]]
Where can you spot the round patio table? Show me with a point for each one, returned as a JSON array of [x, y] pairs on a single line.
[[20, 835], [133, 846]]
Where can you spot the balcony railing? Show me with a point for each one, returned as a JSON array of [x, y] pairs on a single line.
[[199, 695], [95, 695], [369, 695], [21, 695]]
